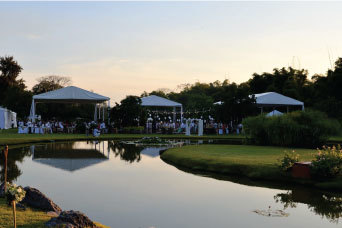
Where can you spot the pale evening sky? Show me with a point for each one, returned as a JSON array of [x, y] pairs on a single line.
[[123, 48]]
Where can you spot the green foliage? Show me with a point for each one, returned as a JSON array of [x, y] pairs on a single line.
[[129, 112], [288, 160], [152, 140], [328, 162], [50, 83], [303, 129], [133, 129], [14, 193]]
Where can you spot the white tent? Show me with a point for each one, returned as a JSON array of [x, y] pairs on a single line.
[[155, 101], [274, 113], [273, 99], [70, 94], [7, 118]]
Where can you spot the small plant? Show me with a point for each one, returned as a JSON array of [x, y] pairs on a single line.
[[328, 162], [288, 160], [14, 194]]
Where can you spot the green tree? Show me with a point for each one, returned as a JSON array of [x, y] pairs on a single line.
[[50, 83], [129, 112]]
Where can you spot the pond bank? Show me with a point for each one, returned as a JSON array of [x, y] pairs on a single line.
[[12, 138], [254, 162], [29, 218]]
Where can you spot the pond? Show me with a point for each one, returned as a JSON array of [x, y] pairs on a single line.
[[126, 186]]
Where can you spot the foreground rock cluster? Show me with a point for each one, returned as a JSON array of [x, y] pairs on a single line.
[[69, 219], [34, 198]]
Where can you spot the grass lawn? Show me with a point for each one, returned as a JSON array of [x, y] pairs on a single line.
[[10, 137], [30, 218], [254, 162]]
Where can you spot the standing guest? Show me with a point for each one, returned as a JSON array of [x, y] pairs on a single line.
[[48, 128], [60, 126], [102, 127], [87, 127]]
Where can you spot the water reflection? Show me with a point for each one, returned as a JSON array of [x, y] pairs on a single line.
[[68, 156], [129, 153], [154, 179], [325, 204], [13, 171]]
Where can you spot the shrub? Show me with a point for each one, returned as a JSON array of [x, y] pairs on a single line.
[[288, 160], [133, 129], [303, 129], [327, 162]]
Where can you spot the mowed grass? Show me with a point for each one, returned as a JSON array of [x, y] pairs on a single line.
[[29, 218], [253, 162]]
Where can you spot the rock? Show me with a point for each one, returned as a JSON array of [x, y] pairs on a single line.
[[52, 214], [71, 219], [34, 198]]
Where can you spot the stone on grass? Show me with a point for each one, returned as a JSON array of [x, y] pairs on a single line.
[[71, 219], [52, 214], [34, 198]]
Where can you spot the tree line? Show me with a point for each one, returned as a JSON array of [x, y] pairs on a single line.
[[320, 92]]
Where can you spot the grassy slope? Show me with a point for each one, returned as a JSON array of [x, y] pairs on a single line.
[[255, 162], [30, 218]]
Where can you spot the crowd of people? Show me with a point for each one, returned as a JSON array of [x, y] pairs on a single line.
[[98, 128], [55, 126], [211, 127]]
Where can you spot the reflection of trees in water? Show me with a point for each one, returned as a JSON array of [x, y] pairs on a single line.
[[130, 153], [14, 156], [327, 205]]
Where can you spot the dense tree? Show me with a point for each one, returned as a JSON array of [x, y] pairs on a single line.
[[10, 70], [129, 112], [50, 83], [13, 93]]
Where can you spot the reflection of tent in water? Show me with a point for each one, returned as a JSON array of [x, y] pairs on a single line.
[[153, 151], [69, 159]]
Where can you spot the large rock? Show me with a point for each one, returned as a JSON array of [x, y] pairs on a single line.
[[34, 198], [71, 219]]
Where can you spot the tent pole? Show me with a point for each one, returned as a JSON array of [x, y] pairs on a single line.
[[182, 114], [103, 113], [95, 113], [108, 114], [99, 112], [174, 114]]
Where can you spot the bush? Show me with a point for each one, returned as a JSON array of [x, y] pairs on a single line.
[[328, 162], [303, 129], [133, 130], [288, 160]]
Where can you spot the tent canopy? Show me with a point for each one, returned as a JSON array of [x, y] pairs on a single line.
[[8, 119], [70, 94], [275, 99], [154, 100]]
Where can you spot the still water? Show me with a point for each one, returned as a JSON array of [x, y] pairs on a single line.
[[125, 186]]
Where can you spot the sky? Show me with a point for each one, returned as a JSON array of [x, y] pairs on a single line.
[[126, 48]]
